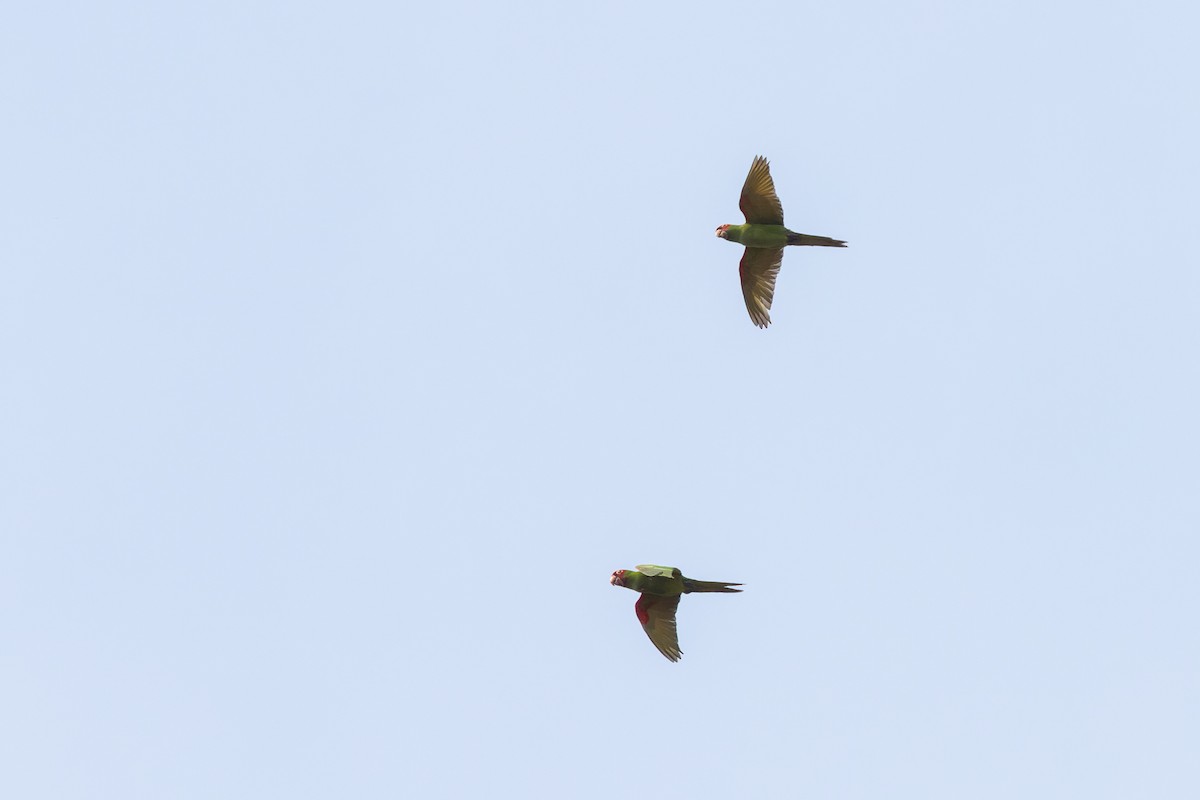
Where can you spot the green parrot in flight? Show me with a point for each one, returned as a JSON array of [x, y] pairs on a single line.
[[764, 237], [660, 588]]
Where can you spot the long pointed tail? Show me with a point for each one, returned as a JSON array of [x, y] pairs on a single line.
[[819, 241], [690, 586]]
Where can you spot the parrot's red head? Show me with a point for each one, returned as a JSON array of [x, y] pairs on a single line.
[[721, 231], [618, 578]]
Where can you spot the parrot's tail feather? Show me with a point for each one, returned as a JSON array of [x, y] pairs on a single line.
[[690, 586], [818, 241]]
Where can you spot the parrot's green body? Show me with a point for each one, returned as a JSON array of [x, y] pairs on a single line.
[[757, 235], [764, 238], [660, 589]]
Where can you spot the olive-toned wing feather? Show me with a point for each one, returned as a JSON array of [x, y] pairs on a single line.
[[657, 615], [654, 569], [759, 268], [759, 202]]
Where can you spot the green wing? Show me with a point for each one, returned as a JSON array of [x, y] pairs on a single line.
[[759, 269], [653, 570], [759, 202], [657, 615]]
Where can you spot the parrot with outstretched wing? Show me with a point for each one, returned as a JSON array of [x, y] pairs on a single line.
[[660, 589], [764, 237]]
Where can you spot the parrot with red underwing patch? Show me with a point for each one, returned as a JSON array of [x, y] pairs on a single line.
[[764, 237], [660, 589]]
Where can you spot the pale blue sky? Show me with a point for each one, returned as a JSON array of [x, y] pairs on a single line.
[[348, 348]]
